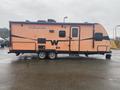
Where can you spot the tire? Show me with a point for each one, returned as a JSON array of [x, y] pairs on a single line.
[[42, 55], [52, 55], [108, 56]]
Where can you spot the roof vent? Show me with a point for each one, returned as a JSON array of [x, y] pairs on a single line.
[[27, 21], [41, 21], [51, 21]]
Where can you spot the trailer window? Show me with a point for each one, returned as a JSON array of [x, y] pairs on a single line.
[[51, 31], [62, 34], [98, 36], [42, 40], [74, 32]]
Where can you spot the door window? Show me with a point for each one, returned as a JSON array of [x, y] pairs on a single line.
[[75, 32]]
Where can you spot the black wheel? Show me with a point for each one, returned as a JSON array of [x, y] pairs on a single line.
[[42, 55], [108, 56], [52, 55]]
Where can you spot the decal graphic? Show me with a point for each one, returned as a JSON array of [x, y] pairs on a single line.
[[54, 42]]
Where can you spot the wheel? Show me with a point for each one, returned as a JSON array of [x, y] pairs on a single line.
[[52, 55], [42, 55], [108, 56]]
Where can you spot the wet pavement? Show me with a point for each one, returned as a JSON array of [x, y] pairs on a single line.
[[64, 73]]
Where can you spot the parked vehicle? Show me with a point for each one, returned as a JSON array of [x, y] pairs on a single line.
[[50, 38], [2, 42]]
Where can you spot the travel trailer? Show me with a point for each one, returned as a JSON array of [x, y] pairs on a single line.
[[49, 38]]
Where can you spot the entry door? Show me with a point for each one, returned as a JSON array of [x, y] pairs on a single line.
[[75, 39]]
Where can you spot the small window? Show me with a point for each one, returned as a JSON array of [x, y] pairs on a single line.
[[98, 36], [74, 32], [42, 40], [51, 31], [62, 34]]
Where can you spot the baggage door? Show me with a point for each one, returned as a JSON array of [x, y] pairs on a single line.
[[75, 39]]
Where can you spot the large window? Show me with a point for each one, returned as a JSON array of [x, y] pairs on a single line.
[[62, 34], [98, 36], [74, 32]]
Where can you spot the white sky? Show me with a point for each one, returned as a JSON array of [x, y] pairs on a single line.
[[105, 12]]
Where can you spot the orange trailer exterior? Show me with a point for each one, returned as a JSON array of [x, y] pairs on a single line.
[[54, 38]]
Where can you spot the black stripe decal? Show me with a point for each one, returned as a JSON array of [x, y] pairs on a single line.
[[23, 37], [104, 38]]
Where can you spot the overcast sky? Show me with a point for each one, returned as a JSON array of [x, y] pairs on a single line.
[[106, 12]]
